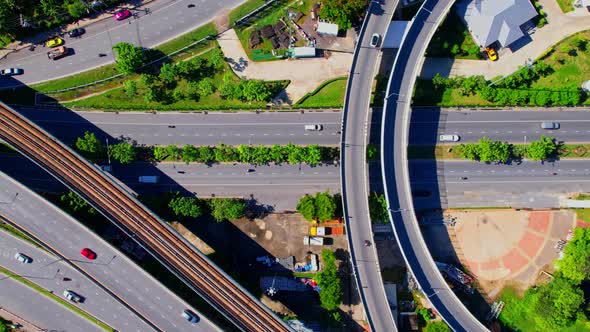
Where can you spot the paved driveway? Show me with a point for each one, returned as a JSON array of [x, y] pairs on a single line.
[[560, 26], [305, 74]]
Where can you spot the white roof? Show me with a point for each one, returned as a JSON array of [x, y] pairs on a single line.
[[395, 33], [305, 51], [327, 29]]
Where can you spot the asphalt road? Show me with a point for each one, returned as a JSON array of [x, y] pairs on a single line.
[[395, 169], [511, 126], [166, 20], [39, 309], [265, 128], [48, 272], [354, 172], [111, 268]]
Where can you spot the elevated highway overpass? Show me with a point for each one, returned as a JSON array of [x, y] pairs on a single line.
[[394, 162], [353, 173]]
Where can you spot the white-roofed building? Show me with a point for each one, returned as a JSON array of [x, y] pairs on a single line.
[[327, 29], [498, 22]]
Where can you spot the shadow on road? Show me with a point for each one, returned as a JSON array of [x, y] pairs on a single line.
[[235, 251]]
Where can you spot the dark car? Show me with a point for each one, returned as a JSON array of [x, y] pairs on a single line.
[[76, 32]]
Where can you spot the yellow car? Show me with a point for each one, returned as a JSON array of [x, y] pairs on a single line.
[[53, 42], [492, 55]]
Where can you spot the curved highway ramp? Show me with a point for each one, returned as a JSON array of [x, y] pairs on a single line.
[[396, 180]]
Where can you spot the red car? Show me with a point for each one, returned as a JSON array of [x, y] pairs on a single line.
[[88, 253], [122, 14]]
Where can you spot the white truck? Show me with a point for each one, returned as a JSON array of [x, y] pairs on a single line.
[[148, 179], [313, 240]]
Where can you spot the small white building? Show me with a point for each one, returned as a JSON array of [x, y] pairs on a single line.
[[304, 52], [327, 29]]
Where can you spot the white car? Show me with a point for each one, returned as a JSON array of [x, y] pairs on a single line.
[[11, 71], [190, 316], [449, 138], [375, 40], [23, 258], [68, 294], [314, 127]]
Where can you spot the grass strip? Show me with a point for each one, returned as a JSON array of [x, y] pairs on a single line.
[[244, 9], [328, 94], [56, 298], [583, 214]]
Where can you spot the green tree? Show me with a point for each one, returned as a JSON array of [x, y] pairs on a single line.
[[168, 73], [325, 206], [129, 58], [378, 207], [123, 152], [189, 153], [206, 154], [575, 264], [89, 145], [437, 327], [469, 151], [372, 152], [557, 304], [147, 79], [77, 9], [74, 203], [541, 149], [313, 154], [255, 90], [217, 59], [206, 87], [130, 87], [7, 20], [160, 152], [345, 13], [455, 50], [329, 282], [307, 207], [185, 207], [225, 153], [227, 208]]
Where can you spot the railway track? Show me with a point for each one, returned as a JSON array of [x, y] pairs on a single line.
[[147, 229]]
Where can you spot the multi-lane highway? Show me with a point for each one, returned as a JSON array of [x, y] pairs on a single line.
[[354, 181], [177, 254], [265, 128], [112, 269], [39, 309], [395, 169], [511, 126], [49, 272], [166, 19]]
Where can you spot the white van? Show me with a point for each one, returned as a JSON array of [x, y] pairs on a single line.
[[449, 138], [148, 179], [314, 127]]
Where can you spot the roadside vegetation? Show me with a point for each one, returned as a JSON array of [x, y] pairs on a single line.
[[55, 298], [452, 40], [559, 305], [328, 94], [378, 208], [124, 152], [203, 82], [319, 208], [329, 282], [566, 5], [486, 150], [554, 80], [184, 47]]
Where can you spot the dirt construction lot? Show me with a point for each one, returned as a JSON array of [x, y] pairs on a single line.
[[503, 247]]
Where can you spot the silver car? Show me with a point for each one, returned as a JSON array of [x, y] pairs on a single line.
[[11, 71], [23, 258]]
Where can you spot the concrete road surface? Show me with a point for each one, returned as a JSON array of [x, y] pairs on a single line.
[[48, 272], [166, 19], [111, 268], [265, 128], [39, 309], [282, 186], [354, 172], [515, 127]]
